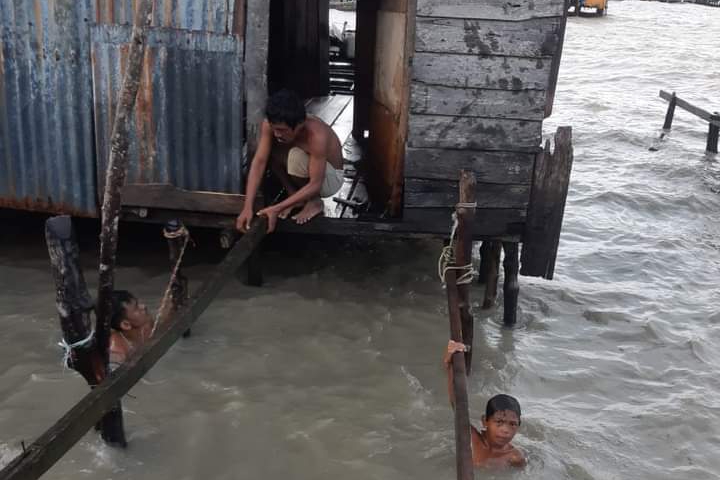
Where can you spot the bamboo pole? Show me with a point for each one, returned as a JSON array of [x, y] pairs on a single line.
[[38, 457]]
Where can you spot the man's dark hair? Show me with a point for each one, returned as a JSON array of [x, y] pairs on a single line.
[[286, 107], [501, 402], [118, 299]]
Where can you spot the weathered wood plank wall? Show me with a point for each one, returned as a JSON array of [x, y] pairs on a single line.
[[480, 76]]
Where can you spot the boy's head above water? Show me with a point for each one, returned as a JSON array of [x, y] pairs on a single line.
[[501, 420]]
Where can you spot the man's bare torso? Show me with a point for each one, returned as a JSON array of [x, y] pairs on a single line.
[[316, 128]]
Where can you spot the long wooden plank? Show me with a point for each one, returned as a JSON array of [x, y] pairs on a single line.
[[537, 37], [685, 105], [476, 71], [436, 131], [162, 195], [420, 192], [489, 167], [52, 444], [491, 9], [474, 102]]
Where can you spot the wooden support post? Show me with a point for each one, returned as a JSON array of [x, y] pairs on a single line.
[[179, 287], [490, 269], [670, 113], [52, 445], [74, 306], [511, 286], [463, 255], [714, 130], [463, 448]]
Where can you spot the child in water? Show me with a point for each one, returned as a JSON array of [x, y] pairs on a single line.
[[491, 447]]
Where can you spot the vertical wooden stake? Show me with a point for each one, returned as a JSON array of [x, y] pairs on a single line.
[[463, 254], [670, 113], [74, 306], [714, 130], [490, 269], [511, 287], [463, 448], [179, 288]]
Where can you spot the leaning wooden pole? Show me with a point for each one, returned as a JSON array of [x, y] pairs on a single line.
[[117, 170], [465, 212], [52, 445]]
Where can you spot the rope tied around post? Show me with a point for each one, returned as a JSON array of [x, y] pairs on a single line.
[[69, 347], [465, 273], [180, 232]]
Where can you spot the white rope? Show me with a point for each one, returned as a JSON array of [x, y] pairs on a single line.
[[68, 347], [447, 255], [168, 291]]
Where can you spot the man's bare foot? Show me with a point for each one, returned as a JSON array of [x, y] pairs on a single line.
[[284, 214], [311, 209]]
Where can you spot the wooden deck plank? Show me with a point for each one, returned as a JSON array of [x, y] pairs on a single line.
[[491, 9], [488, 166], [476, 71], [471, 102], [328, 109], [537, 37], [436, 131], [424, 193]]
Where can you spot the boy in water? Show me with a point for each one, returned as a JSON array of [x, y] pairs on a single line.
[[131, 325], [491, 447], [304, 154]]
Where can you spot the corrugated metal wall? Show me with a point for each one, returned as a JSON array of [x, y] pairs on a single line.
[[205, 15], [47, 159], [47, 153], [187, 128]]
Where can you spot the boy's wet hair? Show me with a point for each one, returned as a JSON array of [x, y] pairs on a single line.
[[118, 299], [285, 107], [502, 402]]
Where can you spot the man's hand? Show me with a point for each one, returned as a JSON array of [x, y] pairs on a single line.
[[242, 223], [272, 215]]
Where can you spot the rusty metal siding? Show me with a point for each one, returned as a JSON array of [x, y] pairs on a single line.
[[47, 159], [187, 127], [202, 15]]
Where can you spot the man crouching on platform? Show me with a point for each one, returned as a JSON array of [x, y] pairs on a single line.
[[305, 155]]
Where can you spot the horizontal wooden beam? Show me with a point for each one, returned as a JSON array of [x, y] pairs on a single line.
[[481, 71], [423, 193], [488, 166], [438, 131], [478, 102], [53, 444], [162, 195], [415, 225], [687, 106], [537, 37], [491, 9], [507, 224]]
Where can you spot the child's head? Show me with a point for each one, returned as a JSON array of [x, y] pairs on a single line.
[[501, 420]]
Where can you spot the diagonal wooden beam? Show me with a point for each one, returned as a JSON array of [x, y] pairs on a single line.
[[55, 442]]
